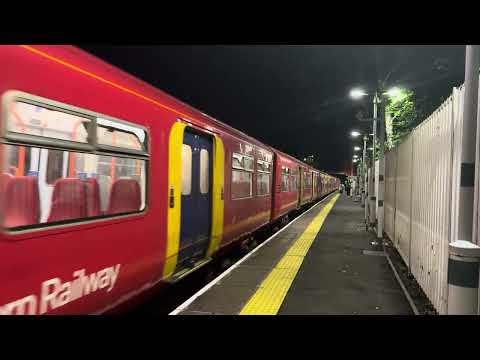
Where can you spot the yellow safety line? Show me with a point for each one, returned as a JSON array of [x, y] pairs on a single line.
[[272, 291]]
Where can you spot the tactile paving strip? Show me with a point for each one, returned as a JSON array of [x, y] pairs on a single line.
[[272, 291]]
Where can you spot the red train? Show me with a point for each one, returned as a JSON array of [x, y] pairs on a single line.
[[110, 186]]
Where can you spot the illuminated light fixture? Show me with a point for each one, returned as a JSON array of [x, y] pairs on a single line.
[[394, 92], [370, 148], [355, 160], [357, 148], [355, 133], [357, 93]]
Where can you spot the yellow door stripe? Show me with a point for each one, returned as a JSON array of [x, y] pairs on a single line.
[[174, 188], [272, 291], [217, 196]]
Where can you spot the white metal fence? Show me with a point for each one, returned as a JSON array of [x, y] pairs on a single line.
[[420, 174]]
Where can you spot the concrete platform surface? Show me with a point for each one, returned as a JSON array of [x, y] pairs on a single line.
[[340, 273]]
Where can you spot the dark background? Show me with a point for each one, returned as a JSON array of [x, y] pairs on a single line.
[[293, 97]]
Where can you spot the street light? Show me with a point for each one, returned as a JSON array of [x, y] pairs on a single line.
[[377, 100], [357, 93], [393, 92]]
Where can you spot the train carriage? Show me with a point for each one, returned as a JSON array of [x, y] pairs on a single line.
[[286, 186], [110, 186]]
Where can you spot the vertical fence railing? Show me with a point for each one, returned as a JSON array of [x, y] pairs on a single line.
[[390, 183], [403, 187], [420, 206]]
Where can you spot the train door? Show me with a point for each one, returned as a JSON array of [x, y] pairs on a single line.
[[196, 202], [319, 185], [314, 191], [300, 185]]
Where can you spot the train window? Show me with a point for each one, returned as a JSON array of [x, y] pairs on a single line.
[[264, 169], [284, 183], [186, 169], [56, 185], [293, 183], [263, 184], [17, 160], [46, 194], [307, 180], [241, 184], [204, 171], [248, 163], [12, 157], [285, 178], [264, 166], [36, 120], [242, 177], [119, 135], [242, 162], [237, 161], [55, 166]]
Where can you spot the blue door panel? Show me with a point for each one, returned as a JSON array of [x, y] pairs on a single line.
[[196, 207]]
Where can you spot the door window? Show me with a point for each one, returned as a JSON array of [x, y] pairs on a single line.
[[204, 171], [186, 169]]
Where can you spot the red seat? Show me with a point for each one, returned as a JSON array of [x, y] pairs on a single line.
[[22, 201], [5, 180], [124, 196], [68, 200], [93, 197]]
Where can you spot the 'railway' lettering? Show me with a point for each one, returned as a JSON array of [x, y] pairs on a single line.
[[54, 293]]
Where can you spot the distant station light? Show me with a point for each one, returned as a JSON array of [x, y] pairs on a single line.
[[357, 148], [355, 133]]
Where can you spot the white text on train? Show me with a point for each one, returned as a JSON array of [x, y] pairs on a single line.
[[55, 293]]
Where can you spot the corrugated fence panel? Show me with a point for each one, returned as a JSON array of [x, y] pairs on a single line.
[[421, 196], [390, 181], [402, 199], [431, 182]]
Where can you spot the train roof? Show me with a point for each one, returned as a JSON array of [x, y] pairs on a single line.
[[169, 101]]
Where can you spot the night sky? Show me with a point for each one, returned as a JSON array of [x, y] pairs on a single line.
[[292, 97]]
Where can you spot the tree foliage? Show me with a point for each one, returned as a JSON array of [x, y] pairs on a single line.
[[404, 113]]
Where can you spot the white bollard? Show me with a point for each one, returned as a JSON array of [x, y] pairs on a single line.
[[463, 278]]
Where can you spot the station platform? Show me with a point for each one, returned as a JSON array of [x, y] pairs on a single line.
[[322, 263]]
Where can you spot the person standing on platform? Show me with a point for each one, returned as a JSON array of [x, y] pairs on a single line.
[[347, 187]]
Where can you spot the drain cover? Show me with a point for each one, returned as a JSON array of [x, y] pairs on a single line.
[[373, 253]]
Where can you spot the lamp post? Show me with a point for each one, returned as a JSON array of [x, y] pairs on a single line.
[[363, 173], [353, 188], [364, 167], [373, 201]]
